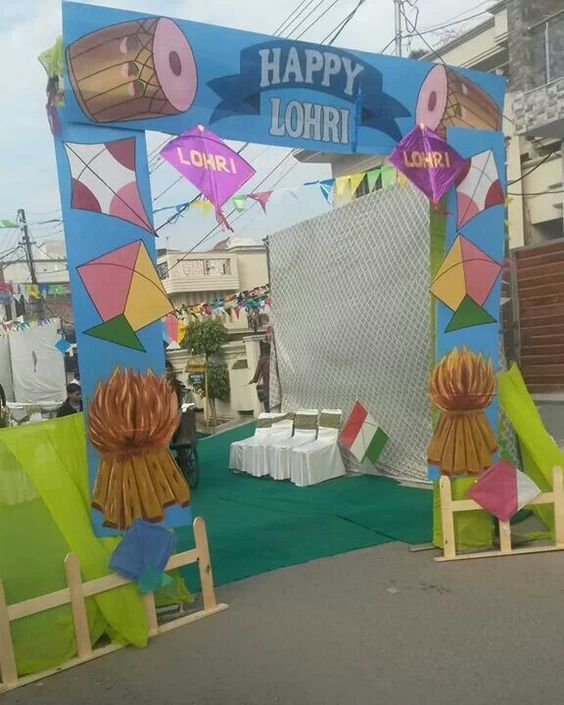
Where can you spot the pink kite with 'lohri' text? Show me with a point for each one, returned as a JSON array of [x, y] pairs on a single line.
[[207, 162], [428, 161]]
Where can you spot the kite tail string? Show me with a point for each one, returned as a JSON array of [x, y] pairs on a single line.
[[222, 220]]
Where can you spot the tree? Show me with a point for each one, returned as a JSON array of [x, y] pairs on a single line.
[[218, 383], [205, 338]]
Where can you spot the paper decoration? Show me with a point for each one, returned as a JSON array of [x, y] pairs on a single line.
[[465, 273], [142, 555], [104, 180], [131, 419], [478, 187], [326, 187], [175, 329], [503, 490], [360, 434], [126, 291], [428, 161], [262, 197], [8, 224], [372, 177], [207, 162], [238, 203], [376, 446], [63, 345], [258, 298], [462, 386]]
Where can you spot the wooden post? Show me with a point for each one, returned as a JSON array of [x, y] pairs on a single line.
[[204, 564], [78, 606], [504, 536], [151, 613], [8, 669], [558, 491], [447, 518], [207, 407]]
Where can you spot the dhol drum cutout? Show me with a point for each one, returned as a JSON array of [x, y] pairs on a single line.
[[133, 70], [449, 99]]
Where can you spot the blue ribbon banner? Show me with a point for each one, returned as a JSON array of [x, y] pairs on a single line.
[[285, 65]]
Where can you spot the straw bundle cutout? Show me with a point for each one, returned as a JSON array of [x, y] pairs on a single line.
[[130, 422], [462, 385]]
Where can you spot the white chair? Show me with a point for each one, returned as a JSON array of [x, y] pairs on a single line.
[[321, 459], [277, 452], [264, 423], [254, 455]]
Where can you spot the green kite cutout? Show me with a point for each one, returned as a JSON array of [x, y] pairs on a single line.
[[468, 314], [117, 330]]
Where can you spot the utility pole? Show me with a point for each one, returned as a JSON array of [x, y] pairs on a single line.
[[397, 24], [26, 243]]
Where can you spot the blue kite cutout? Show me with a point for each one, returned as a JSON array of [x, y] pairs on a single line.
[[143, 554]]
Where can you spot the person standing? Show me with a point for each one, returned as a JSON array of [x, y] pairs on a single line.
[[73, 402], [262, 375]]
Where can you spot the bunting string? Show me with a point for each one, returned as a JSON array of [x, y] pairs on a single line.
[[14, 292], [331, 189], [254, 300]]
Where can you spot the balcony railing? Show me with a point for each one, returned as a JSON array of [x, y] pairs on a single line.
[[548, 49]]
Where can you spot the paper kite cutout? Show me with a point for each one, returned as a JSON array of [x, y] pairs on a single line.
[[503, 490], [212, 166], [143, 553], [478, 187], [127, 292], [428, 161], [104, 180], [63, 345], [362, 436], [465, 273]]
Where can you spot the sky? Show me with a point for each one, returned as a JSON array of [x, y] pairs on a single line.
[[28, 175]]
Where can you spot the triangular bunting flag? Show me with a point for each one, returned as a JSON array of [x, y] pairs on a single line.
[[372, 177], [356, 180], [326, 188], [206, 206], [238, 203], [467, 315], [388, 176], [342, 186], [8, 224], [262, 197]]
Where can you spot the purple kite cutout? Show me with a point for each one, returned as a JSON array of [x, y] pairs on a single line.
[[207, 162], [428, 161]]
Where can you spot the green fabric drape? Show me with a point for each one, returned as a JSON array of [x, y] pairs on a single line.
[[36, 533], [539, 451]]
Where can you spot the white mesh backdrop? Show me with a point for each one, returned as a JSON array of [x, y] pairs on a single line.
[[351, 318]]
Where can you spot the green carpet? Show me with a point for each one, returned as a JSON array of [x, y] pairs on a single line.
[[258, 524]]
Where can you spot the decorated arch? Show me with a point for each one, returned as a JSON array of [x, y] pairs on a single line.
[[126, 73]]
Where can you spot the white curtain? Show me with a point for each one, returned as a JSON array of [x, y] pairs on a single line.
[[6, 367], [38, 368]]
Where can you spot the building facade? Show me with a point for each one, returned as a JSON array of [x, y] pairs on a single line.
[[199, 277], [523, 40]]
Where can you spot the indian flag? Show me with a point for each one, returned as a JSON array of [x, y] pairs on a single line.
[[362, 435]]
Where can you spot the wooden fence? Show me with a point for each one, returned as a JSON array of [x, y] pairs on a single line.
[[76, 593]]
